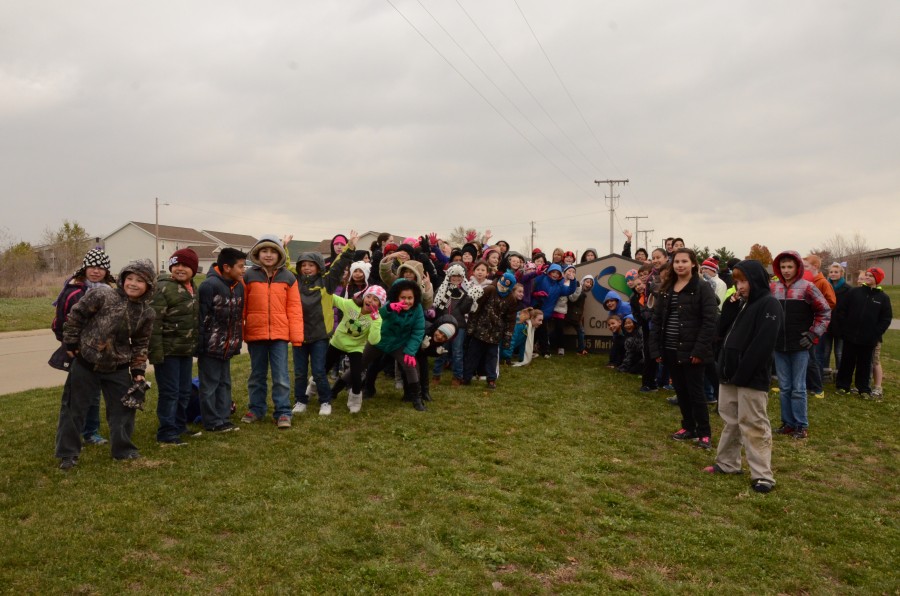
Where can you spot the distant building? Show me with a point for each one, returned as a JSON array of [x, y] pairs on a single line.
[[887, 259]]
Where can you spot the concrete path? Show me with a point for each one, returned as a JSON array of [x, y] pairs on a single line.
[[23, 361], [895, 324]]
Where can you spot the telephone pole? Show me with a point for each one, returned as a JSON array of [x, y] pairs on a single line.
[[647, 242], [531, 248], [613, 202], [636, 219]]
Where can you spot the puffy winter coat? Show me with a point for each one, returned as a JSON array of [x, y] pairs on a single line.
[[494, 318], [221, 316], [316, 293], [804, 306], [402, 330], [272, 308], [865, 315], [176, 328], [697, 319]]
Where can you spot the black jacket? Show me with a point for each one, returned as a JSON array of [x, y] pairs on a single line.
[[864, 315], [752, 332], [698, 315], [221, 316]]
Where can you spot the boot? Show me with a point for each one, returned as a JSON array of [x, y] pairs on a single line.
[[426, 393], [413, 394], [339, 386], [354, 402]]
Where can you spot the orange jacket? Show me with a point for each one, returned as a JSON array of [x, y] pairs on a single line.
[[272, 306]]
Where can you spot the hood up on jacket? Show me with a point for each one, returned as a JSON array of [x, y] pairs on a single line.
[[612, 295], [586, 251], [788, 254], [414, 266], [554, 267], [757, 276], [312, 257], [268, 241], [144, 269]]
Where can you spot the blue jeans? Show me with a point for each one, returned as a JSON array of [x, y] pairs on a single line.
[[173, 380], [824, 348], [264, 355], [481, 353], [791, 370], [312, 353], [456, 354]]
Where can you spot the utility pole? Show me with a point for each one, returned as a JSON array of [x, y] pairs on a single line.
[[531, 248], [647, 242], [637, 232], [613, 202], [158, 265]]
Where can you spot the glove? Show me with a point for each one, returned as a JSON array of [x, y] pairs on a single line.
[[429, 314], [134, 397], [432, 239], [471, 235], [807, 339], [374, 312], [409, 361], [540, 294], [396, 306]]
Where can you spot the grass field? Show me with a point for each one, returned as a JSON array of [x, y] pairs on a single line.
[[562, 481], [23, 314]]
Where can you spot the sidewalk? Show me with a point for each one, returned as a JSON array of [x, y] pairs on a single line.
[[23, 361]]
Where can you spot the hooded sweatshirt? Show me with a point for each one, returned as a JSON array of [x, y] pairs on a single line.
[[221, 316], [803, 305], [389, 276], [272, 301], [317, 293], [623, 309], [553, 288], [752, 332], [108, 330]]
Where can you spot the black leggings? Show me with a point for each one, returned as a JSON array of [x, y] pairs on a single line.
[[354, 376]]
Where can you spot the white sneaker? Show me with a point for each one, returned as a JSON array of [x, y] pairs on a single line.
[[561, 352], [311, 389], [354, 402], [299, 408], [325, 410], [398, 384], [546, 355]]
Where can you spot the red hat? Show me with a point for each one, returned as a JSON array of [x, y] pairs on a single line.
[[535, 251], [390, 247], [710, 264], [186, 257], [877, 273]]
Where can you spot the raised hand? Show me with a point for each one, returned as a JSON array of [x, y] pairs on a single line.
[[286, 238], [471, 235], [396, 306]]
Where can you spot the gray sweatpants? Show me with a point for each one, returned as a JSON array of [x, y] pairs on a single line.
[[746, 424]]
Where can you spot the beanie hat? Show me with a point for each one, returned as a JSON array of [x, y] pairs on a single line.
[[376, 291], [407, 248], [569, 253], [470, 249], [877, 273], [448, 329], [535, 251], [505, 284], [414, 242], [186, 257], [366, 268], [631, 275], [390, 247], [94, 258], [488, 250], [710, 264]]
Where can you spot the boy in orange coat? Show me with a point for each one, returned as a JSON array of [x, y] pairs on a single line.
[[272, 318]]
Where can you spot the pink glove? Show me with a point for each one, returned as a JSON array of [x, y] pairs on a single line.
[[409, 360], [396, 306], [540, 294], [432, 239], [471, 235], [374, 312]]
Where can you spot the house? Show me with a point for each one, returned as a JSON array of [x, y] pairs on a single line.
[[887, 259], [137, 240]]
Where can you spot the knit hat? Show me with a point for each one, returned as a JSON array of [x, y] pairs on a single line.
[[414, 242], [94, 258], [390, 247], [710, 264], [366, 268], [877, 273], [376, 291], [186, 257], [470, 249], [535, 251], [455, 269], [631, 275], [488, 250], [448, 329], [407, 248], [505, 284], [568, 253]]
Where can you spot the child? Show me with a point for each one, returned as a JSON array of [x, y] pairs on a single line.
[[480, 271], [455, 297], [438, 336], [94, 272], [614, 304], [617, 345], [409, 269], [360, 324], [221, 336], [806, 316], [575, 313], [530, 319], [107, 333], [490, 324], [551, 286], [402, 330], [633, 360], [272, 318], [174, 343], [561, 310], [317, 286], [750, 323]]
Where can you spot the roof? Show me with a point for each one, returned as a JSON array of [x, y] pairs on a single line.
[[295, 247], [881, 253], [174, 233], [230, 239], [205, 251]]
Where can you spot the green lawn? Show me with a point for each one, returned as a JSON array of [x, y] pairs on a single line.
[[562, 481], [894, 293], [22, 314]]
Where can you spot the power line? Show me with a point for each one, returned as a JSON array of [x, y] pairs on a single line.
[[486, 100], [613, 202]]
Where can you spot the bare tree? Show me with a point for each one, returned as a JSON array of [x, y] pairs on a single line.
[[457, 236], [850, 250], [66, 246]]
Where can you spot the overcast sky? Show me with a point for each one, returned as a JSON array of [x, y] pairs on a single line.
[[736, 122]]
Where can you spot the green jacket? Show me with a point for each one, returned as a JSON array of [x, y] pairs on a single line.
[[176, 328], [355, 327]]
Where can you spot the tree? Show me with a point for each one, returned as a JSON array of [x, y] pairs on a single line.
[[724, 255], [18, 268], [457, 236], [761, 253], [849, 250], [702, 253], [66, 246]]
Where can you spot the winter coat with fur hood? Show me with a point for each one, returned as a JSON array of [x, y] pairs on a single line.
[[107, 330], [272, 308]]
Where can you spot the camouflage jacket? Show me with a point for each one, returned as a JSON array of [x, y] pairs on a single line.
[[176, 328]]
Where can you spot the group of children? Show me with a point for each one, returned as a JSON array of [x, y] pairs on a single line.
[[388, 310]]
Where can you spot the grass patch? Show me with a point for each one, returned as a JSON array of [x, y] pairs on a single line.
[[563, 480], [23, 314], [894, 293]]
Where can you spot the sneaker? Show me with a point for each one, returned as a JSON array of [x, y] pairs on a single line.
[[284, 421], [711, 401], [800, 433], [455, 382], [311, 389], [398, 384], [684, 435], [492, 384], [672, 401], [877, 394], [325, 409], [546, 355], [354, 402], [299, 408], [819, 395], [225, 427], [249, 418], [785, 429], [842, 392], [128, 456], [192, 434], [715, 469], [669, 387], [95, 439], [561, 352], [648, 389], [854, 391], [67, 463], [866, 396], [482, 378], [761, 486], [704, 443], [176, 442]]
